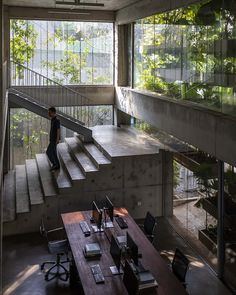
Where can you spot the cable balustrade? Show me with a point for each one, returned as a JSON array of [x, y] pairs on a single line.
[[47, 92]]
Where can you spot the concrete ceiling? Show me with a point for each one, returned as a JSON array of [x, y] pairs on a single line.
[[109, 4]]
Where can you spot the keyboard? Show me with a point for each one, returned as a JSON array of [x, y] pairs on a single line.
[[121, 222], [138, 268], [97, 274], [85, 228]]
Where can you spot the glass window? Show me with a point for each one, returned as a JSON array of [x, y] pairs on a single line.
[[67, 52], [189, 53]]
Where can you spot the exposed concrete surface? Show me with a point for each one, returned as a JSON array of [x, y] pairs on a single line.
[[135, 178], [91, 95], [108, 4], [123, 142], [210, 131], [39, 13]]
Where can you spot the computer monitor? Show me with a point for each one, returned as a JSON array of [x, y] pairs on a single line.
[[132, 249], [97, 215], [130, 279], [109, 208], [115, 252]]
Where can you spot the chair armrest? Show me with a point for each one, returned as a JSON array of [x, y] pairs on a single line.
[[55, 230]]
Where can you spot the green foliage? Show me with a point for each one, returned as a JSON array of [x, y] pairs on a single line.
[[205, 178], [184, 40], [176, 170], [26, 132], [182, 16], [68, 66], [71, 64], [230, 177], [22, 43]]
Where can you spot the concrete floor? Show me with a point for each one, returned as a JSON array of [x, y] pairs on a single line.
[[23, 254], [200, 278], [193, 218], [125, 141]]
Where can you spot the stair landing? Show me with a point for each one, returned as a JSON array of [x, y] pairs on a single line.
[[122, 142]]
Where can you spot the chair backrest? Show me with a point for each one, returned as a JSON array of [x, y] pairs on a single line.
[[130, 280], [149, 223], [42, 229], [180, 265]]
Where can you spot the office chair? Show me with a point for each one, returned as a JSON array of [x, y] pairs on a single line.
[[149, 226], [179, 266], [58, 246]]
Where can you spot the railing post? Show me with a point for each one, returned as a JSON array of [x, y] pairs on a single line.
[[220, 225]]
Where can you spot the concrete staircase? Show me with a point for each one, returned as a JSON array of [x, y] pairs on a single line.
[[29, 187], [123, 164]]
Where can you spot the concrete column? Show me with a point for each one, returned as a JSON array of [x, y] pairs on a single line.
[[121, 69], [167, 183], [6, 157], [121, 47]]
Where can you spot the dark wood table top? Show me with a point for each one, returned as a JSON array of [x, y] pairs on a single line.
[[151, 260]]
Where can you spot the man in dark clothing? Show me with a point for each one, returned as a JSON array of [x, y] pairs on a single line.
[[53, 139]]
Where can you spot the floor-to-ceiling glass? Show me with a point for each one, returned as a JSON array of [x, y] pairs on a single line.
[[189, 54]]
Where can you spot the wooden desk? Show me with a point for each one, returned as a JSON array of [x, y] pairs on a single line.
[[151, 260]]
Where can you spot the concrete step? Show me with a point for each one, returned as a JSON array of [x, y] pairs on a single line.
[[34, 186], [93, 152], [80, 157], [46, 179], [22, 194], [61, 178], [9, 197], [71, 167]]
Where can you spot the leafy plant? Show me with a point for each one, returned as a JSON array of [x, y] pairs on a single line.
[[22, 43], [205, 178]]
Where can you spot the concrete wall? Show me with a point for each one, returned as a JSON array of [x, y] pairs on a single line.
[[133, 182], [144, 8], [56, 96], [207, 130]]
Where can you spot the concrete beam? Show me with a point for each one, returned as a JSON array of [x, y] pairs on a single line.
[[97, 95], [144, 8], [60, 14], [210, 131]]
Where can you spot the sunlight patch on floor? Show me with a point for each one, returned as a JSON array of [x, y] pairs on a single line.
[[21, 278]]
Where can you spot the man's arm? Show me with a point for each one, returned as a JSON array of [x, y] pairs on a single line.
[[58, 135]]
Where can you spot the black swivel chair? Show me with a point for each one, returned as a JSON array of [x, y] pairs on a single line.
[[59, 246], [149, 226], [180, 265]]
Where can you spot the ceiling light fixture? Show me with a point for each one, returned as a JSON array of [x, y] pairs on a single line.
[[78, 3], [68, 12]]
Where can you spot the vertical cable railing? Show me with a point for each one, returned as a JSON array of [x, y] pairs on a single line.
[[46, 92]]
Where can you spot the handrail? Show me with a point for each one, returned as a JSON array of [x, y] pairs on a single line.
[[63, 114], [52, 81], [40, 89]]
